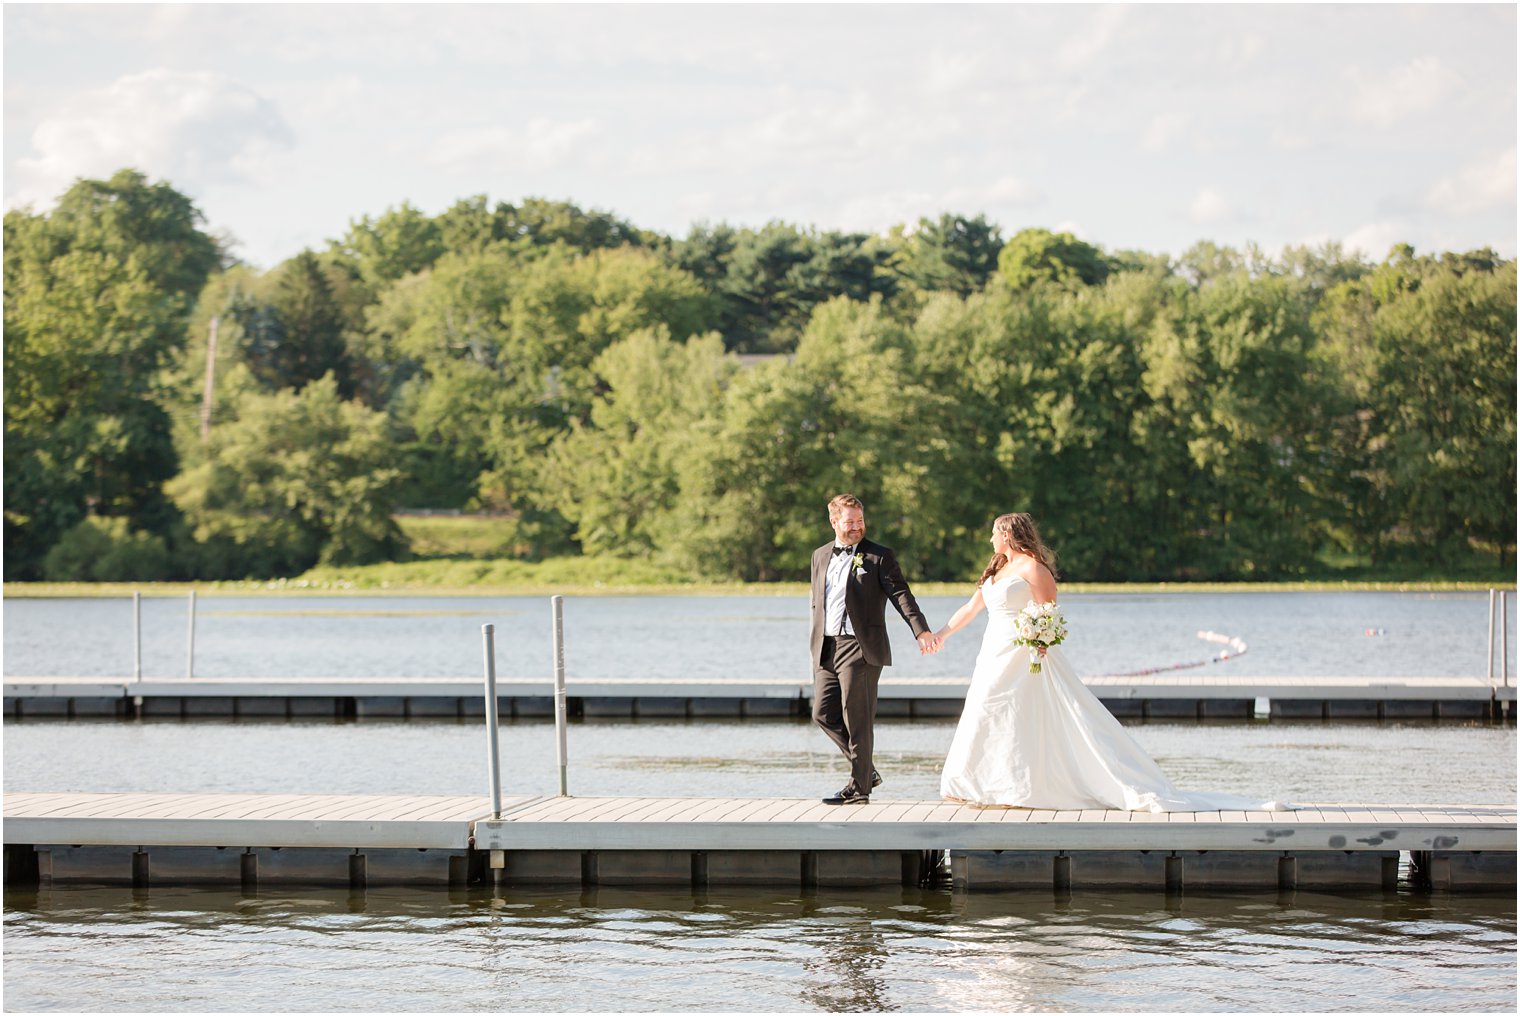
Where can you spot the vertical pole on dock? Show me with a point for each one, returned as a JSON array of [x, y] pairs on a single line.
[[190, 640], [493, 747], [557, 611], [136, 637], [1504, 635], [1492, 602]]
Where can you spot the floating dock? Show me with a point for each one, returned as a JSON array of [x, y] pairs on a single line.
[[1168, 696], [260, 840]]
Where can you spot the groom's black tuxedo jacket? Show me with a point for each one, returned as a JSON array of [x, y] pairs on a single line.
[[866, 593]]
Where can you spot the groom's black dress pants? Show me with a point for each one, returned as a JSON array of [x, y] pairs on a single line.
[[844, 703]]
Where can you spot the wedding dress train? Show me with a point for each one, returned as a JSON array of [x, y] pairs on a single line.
[[1044, 741]]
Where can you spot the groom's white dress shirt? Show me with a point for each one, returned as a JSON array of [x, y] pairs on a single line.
[[835, 620]]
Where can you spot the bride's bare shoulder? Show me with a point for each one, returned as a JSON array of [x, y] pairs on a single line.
[[1042, 582]]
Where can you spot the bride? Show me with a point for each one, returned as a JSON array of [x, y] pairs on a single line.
[[1043, 740]]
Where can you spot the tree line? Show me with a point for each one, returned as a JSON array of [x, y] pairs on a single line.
[[614, 391]]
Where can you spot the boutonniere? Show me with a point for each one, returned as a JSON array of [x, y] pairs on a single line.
[[859, 561]]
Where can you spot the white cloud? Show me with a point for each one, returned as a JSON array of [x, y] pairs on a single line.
[[884, 209], [1004, 192], [1163, 130], [1209, 206], [1237, 50], [849, 125], [1375, 239], [873, 213], [1384, 99], [542, 144], [195, 129], [1478, 187], [1082, 49], [1100, 115], [950, 73], [1291, 140]]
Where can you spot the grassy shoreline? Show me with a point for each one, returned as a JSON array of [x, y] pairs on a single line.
[[468, 556], [304, 587]]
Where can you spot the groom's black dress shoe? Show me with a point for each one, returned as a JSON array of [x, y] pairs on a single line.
[[849, 795], [875, 779]]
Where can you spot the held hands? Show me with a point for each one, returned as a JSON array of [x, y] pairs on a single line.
[[929, 643]]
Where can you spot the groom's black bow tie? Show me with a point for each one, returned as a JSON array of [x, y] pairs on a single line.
[[842, 550]]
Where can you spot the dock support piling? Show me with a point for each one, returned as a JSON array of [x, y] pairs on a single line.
[[493, 747], [250, 870], [1174, 874], [699, 871], [1061, 875], [21, 865], [358, 871], [139, 869], [557, 613], [1287, 872]]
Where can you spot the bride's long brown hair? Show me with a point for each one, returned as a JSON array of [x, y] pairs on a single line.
[[1024, 535]]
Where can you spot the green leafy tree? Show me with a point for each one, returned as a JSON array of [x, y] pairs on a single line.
[[704, 253], [1428, 346], [297, 334], [615, 475], [544, 223], [471, 225], [1207, 260], [1236, 379], [763, 312], [953, 253], [1038, 255], [108, 550], [399, 242], [565, 309], [299, 478], [96, 297], [755, 480]]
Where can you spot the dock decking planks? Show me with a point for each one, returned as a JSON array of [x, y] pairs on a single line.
[[589, 823]]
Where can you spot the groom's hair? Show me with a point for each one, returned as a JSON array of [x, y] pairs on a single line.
[[841, 502]]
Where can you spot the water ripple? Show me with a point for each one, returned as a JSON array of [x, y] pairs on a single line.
[[655, 950]]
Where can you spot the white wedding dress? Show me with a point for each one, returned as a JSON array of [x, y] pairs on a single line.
[[1044, 741]]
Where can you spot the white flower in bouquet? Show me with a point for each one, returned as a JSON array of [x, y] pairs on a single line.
[[1040, 627]]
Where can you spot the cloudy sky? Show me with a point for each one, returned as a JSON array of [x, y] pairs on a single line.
[[1142, 126]]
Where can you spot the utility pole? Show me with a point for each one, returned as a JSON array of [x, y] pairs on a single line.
[[210, 377]]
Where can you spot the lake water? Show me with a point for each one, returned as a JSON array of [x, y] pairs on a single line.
[[1295, 634], [183, 950], [167, 949], [918, 950]]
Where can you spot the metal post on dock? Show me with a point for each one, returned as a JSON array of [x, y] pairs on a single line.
[[1493, 595], [1504, 635], [136, 637], [493, 748], [557, 611], [190, 640]]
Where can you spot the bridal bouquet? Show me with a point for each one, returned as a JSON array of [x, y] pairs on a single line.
[[1040, 627]]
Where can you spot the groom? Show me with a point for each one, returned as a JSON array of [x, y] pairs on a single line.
[[853, 578]]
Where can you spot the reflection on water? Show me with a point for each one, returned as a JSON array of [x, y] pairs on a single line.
[[761, 950]]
